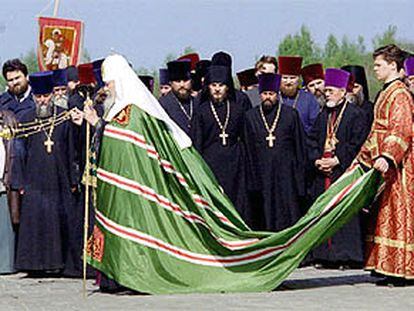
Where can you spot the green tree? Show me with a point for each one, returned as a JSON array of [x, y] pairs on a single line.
[[170, 57], [30, 59], [388, 37], [188, 50], [300, 44]]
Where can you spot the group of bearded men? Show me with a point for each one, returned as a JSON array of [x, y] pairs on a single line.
[[274, 145]]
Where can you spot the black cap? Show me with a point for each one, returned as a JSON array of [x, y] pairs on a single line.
[[358, 73], [148, 81], [221, 59], [72, 73], [179, 70]]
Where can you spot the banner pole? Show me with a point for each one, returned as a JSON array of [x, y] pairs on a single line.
[[89, 103], [56, 8]]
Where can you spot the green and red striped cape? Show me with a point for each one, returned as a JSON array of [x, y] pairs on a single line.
[[164, 225]]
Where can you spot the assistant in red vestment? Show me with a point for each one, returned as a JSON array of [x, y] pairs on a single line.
[[389, 148]]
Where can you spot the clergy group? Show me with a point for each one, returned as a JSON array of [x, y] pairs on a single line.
[[275, 139]]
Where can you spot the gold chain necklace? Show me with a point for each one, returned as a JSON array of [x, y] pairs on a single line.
[[190, 115], [331, 140], [270, 137], [222, 127], [295, 102]]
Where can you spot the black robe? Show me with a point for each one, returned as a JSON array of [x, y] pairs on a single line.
[[367, 109], [79, 133], [346, 246], [277, 173], [170, 104], [228, 163], [10, 103], [47, 240]]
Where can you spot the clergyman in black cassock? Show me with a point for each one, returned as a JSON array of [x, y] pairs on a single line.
[[361, 93], [333, 143], [178, 103], [44, 172], [275, 147], [217, 133]]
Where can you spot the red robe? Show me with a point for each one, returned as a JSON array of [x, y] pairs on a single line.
[[390, 240]]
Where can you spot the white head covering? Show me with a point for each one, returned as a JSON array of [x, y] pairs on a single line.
[[130, 90]]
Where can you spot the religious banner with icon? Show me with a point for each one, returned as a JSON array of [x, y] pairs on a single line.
[[60, 42]]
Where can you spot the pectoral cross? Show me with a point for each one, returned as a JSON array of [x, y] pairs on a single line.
[[223, 137], [49, 144], [270, 139]]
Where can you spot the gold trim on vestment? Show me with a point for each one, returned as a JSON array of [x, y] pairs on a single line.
[[391, 157], [390, 242], [397, 140]]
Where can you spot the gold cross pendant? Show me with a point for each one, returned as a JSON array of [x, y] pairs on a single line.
[[270, 139], [48, 144], [223, 137]]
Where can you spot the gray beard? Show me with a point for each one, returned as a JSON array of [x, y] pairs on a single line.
[[108, 103], [357, 99], [61, 101], [321, 100], [43, 111]]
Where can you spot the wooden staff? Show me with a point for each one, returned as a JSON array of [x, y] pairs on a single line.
[[88, 102]]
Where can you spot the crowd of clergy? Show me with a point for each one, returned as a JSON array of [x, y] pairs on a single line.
[[275, 139]]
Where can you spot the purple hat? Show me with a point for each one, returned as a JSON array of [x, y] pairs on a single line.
[[336, 78], [41, 82], [60, 77], [269, 82], [409, 66], [164, 78]]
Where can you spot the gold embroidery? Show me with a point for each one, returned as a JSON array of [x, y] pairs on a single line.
[[396, 139], [390, 242], [96, 244], [122, 117]]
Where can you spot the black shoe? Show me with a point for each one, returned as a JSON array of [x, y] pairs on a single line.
[[391, 281]]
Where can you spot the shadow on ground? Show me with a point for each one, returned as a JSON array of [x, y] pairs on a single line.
[[310, 283]]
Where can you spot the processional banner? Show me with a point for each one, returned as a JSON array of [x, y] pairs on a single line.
[[60, 43]]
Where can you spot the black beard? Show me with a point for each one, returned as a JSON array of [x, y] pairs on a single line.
[[268, 104], [182, 97]]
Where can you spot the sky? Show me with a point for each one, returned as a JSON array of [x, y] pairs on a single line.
[[147, 31]]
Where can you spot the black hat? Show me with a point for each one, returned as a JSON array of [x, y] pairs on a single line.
[[148, 81], [220, 74], [72, 73], [247, 77], [358, 73], [179, 70], [221, 59], [164, 78], [202, 66]]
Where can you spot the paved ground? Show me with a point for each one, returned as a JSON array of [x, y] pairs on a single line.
[[306, 289]]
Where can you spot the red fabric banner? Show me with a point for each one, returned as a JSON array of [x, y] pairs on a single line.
[[60, 43]]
